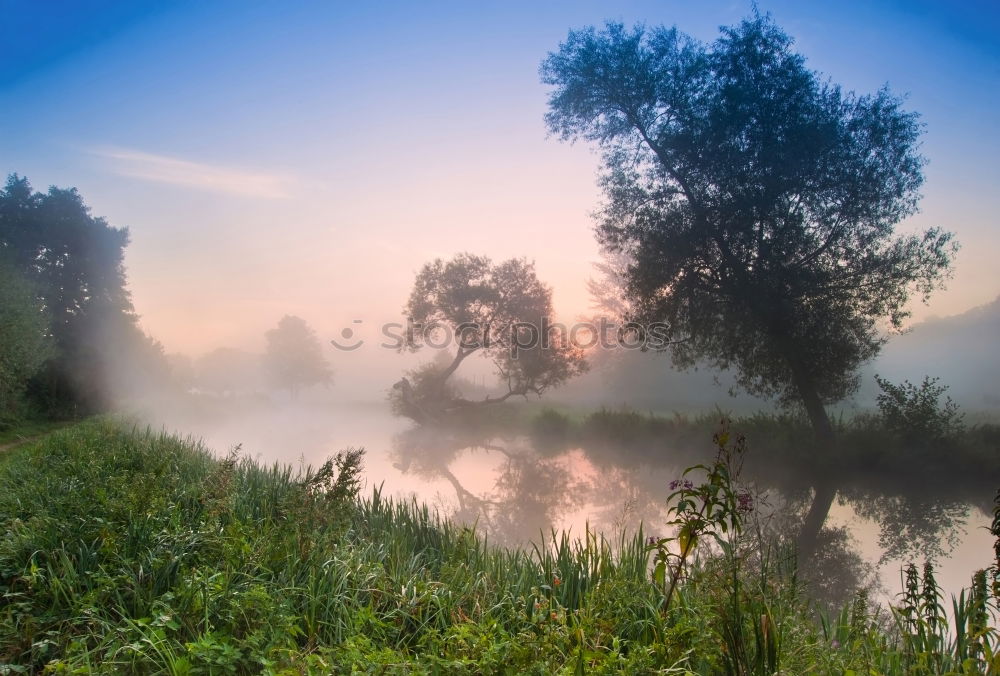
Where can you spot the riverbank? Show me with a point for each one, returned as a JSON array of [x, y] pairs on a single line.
[[133, 551]]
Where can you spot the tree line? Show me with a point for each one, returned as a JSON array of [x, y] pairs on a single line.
[[70, 340], [70, 335]]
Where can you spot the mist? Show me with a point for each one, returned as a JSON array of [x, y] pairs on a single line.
[[441, 236]]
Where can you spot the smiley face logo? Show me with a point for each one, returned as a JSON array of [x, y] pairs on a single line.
[[347, 333]]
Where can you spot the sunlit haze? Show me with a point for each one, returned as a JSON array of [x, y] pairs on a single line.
[[500, 337], [307, 159]]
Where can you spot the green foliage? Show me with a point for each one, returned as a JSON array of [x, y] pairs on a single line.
[[754, 201], [995, 532], [187, 564], [24, 343], [917, 414], [27, 428], [713, 508], [74, 263], [928, 645]]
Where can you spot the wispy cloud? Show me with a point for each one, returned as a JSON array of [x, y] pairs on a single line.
[[212, 177]]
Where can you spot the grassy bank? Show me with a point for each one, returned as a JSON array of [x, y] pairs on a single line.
[[24, 430], [130, 551]]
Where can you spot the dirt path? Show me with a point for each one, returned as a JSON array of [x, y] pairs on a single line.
[[10, 445], [23, 440]]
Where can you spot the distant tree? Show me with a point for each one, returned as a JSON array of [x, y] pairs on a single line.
[[24, 340], [756, 202], [500, 311], [74, 261], [294, 358]]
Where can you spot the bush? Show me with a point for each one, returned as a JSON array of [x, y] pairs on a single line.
[[549, 429], [916, 414]]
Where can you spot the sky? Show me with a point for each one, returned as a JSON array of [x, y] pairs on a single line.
[[308, 158]]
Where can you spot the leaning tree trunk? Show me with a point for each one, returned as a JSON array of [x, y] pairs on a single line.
[[824, 490]]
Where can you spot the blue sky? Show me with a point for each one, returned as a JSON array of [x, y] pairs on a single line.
[[309, 157]]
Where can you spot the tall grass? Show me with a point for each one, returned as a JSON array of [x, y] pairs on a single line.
[[129, 551]]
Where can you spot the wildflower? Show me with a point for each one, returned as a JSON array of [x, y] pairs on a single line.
[[556, 581], [651, 540], [744, 502], [681, 483]]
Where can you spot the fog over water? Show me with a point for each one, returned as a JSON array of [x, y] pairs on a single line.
[[516, 487]]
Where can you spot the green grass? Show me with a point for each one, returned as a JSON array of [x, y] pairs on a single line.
[[27, 429], [130, 551]]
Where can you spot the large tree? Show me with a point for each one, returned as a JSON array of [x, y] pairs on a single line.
[[756, 203], [501, 311], [75, 264]]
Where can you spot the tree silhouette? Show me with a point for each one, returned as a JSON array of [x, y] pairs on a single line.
[[294, 358], [756, 203], [501, 311]]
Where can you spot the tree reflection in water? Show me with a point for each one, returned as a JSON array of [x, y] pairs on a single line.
[[616, 482]]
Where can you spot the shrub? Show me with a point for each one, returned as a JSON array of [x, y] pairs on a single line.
[[916, 414]]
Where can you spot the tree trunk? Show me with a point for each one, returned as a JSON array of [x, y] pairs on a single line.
[[823, 495], [813, 405], [823, 487], [442, 377]]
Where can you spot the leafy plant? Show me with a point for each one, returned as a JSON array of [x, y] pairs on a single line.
[[916, 413], [712, 509]]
